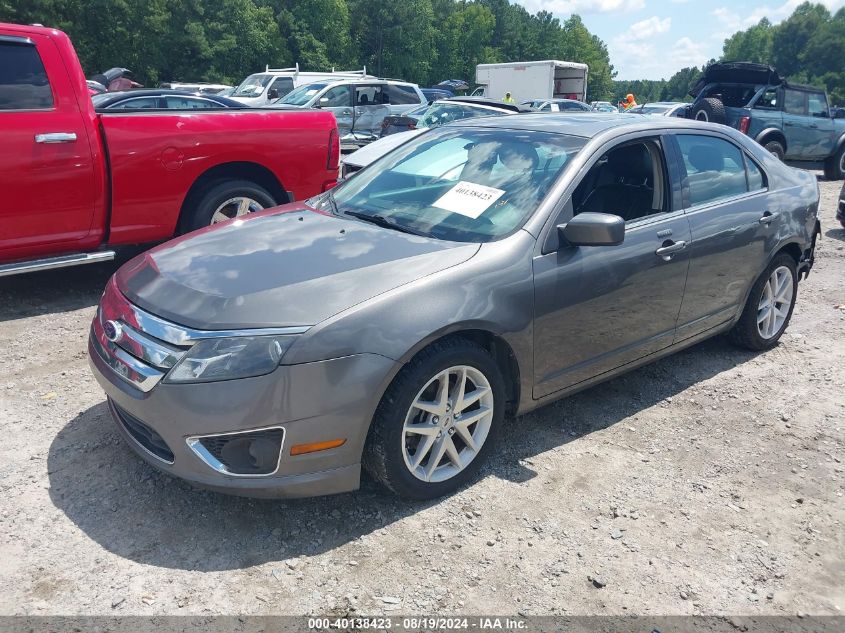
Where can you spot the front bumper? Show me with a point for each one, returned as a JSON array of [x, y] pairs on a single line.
[[311, 402]]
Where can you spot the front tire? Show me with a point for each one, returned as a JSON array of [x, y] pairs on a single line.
[[224, 200], [769, 307], [437, 422]]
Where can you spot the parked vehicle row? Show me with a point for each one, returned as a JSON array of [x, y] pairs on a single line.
[[78, 181]]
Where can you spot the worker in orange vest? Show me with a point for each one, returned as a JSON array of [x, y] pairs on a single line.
[[629, 102]]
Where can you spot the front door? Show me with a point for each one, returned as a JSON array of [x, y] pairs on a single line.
[[47, 177], [820, 135], [338, 100], [598, 308]]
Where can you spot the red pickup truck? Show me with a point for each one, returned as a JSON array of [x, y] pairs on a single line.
[[75, 182]]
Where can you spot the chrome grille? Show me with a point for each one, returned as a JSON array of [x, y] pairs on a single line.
[[142, 347]]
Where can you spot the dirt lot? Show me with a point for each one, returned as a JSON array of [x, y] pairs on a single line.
[[709, 483]]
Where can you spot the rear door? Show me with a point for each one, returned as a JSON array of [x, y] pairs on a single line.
[[47, 177], [725, 196], [795, 124], [371, 106]]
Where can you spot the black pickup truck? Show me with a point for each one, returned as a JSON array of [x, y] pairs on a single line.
[[793, 122]]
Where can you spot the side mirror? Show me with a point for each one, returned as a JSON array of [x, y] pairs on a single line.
[[322, 103], [593, 229], [273, 93], [839, 113]]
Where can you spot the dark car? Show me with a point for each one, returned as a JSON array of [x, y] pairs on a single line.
[[480, 270], [792, 121], [161, 99], [435, 94], [445, 111]]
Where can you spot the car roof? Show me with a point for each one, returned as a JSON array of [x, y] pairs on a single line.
[[491, 103], [107, 98], [587, 125]]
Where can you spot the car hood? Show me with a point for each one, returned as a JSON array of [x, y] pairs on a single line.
[[286, 266], [375, 150], [736, 73]]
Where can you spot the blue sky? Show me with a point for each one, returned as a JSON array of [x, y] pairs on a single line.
[[651, 39]]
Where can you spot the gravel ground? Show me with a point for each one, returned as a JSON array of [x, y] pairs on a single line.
[[707, 483]]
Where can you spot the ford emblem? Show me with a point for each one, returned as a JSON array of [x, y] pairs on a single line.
[[113, 331]]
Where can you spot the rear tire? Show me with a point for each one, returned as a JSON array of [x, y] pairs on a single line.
[[772, 296], [833, 166], [223, 200], [776, 149], [709, 110], [409, 462]]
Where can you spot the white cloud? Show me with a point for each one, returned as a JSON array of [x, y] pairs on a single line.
[[645, 29], [582, 6], [685, 52]]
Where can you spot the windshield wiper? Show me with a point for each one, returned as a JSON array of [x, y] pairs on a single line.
[[381, 220], [332, 202]]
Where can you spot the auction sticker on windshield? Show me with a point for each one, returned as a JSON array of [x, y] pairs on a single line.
[[468, 198]]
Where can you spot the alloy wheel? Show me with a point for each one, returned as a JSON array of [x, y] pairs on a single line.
[[235, 207], [447, 423], [773, 309]]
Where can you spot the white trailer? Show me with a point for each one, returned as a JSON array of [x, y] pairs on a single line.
[[548, 79]]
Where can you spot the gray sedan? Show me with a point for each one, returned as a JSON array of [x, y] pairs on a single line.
[[475, 273]]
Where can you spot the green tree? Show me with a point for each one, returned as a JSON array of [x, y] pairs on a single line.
[[793, 34], [751, 45]]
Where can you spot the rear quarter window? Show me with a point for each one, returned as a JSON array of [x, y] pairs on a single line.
[[23, 80], [402, 95]]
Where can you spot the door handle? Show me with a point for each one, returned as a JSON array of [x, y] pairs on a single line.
[[814, 126], [345, 112], [56, 137], [767, 217], [789, 123], [669, 248]]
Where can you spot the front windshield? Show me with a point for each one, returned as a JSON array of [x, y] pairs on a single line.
[[647, 109], [252, 86], [460, 184], [302, 95], [443, 112]]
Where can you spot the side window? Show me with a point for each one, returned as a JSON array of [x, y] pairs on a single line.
[[715, 169], [369, 95], [794, 102], [186, 103], [817, 105], [23, 80], [402, 95], [337, 97], [627, 181], [283, 85], [139, 103], [768, 100], [756, 178]]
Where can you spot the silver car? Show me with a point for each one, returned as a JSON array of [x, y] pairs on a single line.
[[476, 272]]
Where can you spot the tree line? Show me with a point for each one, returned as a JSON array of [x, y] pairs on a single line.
[[424, 41], [808, 47]]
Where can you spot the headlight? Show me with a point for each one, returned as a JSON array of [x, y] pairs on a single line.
[[230, 358]]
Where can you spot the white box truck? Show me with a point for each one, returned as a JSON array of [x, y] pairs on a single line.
[[548, 79]]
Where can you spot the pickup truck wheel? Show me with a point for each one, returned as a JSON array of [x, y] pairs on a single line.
[[437, 422], [834, 167], [769, 307], [710, 110], [225, 200], [776, 149]]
